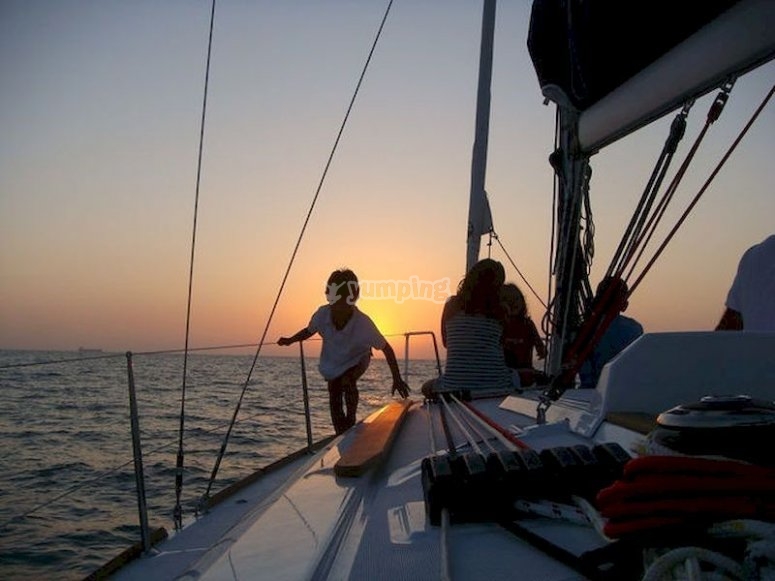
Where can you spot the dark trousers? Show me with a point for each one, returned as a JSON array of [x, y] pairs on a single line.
[[343, 392]]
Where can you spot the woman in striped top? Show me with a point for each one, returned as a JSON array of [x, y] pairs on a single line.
[[472, 324]]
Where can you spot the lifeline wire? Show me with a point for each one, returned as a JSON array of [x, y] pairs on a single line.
[[296, 249]]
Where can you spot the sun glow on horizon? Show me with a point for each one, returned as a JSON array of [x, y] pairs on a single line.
[[95, 231]]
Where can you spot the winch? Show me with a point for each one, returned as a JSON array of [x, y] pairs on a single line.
[[738, 427]]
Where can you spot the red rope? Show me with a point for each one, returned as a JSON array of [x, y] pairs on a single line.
[[503, 431], [659, 492]]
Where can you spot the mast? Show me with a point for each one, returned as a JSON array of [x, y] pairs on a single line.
[[599, 103], [479, 217], [572, 173]]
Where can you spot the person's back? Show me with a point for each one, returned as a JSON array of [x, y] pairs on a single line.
[[472, 331], [620, 333], [751, 299], [475, 354]]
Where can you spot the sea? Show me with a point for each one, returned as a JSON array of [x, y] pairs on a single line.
[[68, 501]]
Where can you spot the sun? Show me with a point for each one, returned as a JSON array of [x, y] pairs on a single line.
[[394, 320]]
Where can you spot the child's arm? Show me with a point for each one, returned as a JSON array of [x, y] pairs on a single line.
[[399, 384], [300, 336]]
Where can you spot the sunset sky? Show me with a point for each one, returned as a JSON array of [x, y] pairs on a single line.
[[100, 106]]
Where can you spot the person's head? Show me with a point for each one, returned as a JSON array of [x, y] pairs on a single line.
[[342, 289], [513, 300], [616, 290], [480, 288]]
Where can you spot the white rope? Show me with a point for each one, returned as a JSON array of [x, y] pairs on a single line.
[[501, 438], [430, 429], [689, 559], [444, 574], [462, 428], [482, 436]]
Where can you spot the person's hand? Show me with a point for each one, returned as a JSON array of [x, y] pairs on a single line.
[[400, 386], [283, 341]]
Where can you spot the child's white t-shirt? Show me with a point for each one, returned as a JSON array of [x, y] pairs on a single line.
[[344, 348]]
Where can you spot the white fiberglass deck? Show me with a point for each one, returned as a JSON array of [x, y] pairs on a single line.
[[307, 523]]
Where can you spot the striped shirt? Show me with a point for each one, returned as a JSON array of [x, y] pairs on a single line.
[[475, 354]]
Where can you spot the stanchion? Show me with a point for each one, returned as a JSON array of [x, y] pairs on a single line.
[[305, 393], [142, 506]]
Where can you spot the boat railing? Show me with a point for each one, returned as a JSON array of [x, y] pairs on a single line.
[[410, 334], [134, 418], [148, 489], [98, 380], [305, 396]]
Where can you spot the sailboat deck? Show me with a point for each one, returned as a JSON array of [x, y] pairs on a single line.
[[305, 521]]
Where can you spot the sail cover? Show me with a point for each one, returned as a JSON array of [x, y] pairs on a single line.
[[624, 64]]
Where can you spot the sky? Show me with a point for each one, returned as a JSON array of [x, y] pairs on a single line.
[[100, 111]]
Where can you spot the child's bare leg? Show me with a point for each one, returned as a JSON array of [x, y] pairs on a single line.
[[351, 397], [349, 382], [335, 393]]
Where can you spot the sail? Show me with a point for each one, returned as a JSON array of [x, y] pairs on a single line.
[[673, 55]]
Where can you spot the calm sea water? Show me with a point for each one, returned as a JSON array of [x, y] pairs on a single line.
[[67, 484]]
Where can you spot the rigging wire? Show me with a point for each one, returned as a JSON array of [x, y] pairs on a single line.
[[704, 188], [296, 248], [178, 512], [494, 236], [659, 212], [643, 209], [584, 342], [641, 242]]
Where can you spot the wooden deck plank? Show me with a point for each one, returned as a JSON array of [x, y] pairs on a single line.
[[373, 438]]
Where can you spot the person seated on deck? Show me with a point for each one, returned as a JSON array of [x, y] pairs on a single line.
[[620, 333], [472, 324], [750, 304], [348, 337], [521, 338]]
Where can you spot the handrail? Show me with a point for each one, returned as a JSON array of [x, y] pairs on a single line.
[[144, 497], [406, 350], [147, 537]]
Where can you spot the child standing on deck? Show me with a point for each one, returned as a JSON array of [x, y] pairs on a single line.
[[348, 337]]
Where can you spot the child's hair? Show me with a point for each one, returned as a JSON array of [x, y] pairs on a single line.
[[512, 297], [344, 277]]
